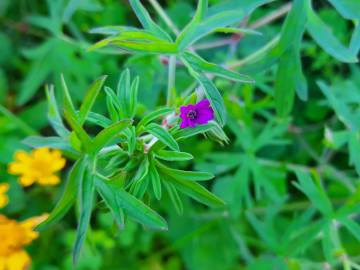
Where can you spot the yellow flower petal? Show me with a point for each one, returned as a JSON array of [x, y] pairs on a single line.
[[4, 199], [22, 156], [19, 260], [26, 180], [49, 180], [39, 166]]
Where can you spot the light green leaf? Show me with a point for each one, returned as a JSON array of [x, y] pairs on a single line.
[[146, 20], [321, 33], [153, 115], [314, 192], [173, 155], [163, 135], [184, 175], [54, 113], [51, 142], [349, 9], [106, 135], [200, 65], [195, 191], [80, 132]]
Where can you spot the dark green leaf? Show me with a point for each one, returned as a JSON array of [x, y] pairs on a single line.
[[86, 204], [69, 195], [133, 207], [90, 98]]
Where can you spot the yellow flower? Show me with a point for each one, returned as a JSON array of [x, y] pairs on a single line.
[[14, 236], [4, 199], [39, 166]]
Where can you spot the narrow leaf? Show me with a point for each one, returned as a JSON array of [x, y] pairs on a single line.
[[163, 135], [133, 207], [173, 155], [90, 98], [68, 197]]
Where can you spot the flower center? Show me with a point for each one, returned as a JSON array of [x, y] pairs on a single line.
[[191, 114]]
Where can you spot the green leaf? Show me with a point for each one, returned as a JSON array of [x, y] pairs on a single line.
[[127, 94], [228, 30], [189, 132], [142, 170], [108, 134], [284, 89], [314, 192], [98, 119], [86, 204], [321, 33], [68, 104], [191, 26], [198, 29], [174, 197], [54, 113], [135, 208], [289, 77], [68, 197], [184, 175], [163, 135], [354, 150], [133, 97], [146, 20], [173, 155], [349, 9], [90, 98], [351, 226], [154, 115], [155, 179], [200, 65], [131, 136], [195, 191], [80, 132], [24, 127], [213, 94], [137, 42], [51, 142], [109, 196], [123, 92], [355, 40]]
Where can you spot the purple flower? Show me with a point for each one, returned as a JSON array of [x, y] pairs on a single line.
[[198, 114]]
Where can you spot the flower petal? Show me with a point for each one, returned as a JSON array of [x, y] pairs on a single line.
[[205, 103], [19, 260], [49, 180], [26, 180]]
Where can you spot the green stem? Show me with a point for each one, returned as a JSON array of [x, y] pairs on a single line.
[[171, 80]]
